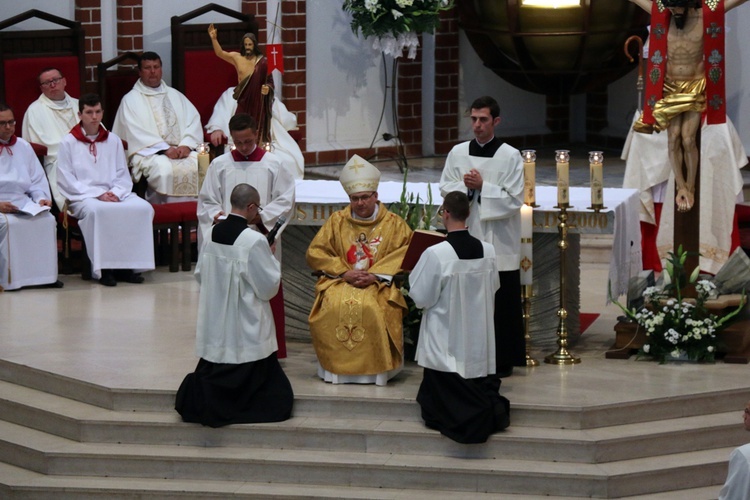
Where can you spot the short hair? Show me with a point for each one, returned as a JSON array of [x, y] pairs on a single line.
[[487, 102], [242, 195], [242, 121], [49, 68], [256, 49], [148, 56], [90, 100], [457, 203], [5, 107]]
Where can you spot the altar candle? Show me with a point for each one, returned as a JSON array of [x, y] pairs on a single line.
[[527, 245], [529, 174], [562, 157], [597, 177], [203, 162], [527, 222]]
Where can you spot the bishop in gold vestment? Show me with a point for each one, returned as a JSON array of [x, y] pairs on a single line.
[[355, 322]]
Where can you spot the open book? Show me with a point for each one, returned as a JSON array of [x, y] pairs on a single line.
[[420, 240], [32, 208]]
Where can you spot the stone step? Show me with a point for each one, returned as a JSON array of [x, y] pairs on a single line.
[[55, 456], [86, 423], [21, 483], [372, 403]]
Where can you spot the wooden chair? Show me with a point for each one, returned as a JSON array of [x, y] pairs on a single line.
[[116, 78], [193, 56], [25, 53]]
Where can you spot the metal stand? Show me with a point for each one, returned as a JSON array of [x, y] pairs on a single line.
[[562, 356], [526, 294]]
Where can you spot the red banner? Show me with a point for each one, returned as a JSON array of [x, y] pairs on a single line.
[[275, 56]]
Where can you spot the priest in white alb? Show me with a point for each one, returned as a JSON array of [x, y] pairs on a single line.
[[117, 225], [48, 120], [28, 239], [162, 129], [282, 120], [253, 165]]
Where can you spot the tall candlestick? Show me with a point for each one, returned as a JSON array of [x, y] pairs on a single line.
[[529, 174], [527, 245], [562, 157], [596, 158]]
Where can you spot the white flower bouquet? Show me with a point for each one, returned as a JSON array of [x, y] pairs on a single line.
[[394, 24]]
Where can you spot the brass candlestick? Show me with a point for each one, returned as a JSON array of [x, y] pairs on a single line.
[[562, 356], [526, 294]]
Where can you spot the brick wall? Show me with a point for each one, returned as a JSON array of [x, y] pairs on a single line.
[[89, 14], [446, 82], [129, 26]]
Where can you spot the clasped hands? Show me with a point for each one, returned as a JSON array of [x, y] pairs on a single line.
[[177, 152], [359, 279], [473, 180]]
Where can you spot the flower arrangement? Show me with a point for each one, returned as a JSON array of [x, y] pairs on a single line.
[[677, 327], [394, 24]]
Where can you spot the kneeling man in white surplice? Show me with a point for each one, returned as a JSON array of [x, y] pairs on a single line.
[[28, 243], [117, 225]]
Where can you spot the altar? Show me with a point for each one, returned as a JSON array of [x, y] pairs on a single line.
[[316, 200]]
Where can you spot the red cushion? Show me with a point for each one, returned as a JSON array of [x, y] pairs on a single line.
[[188, 210], [39, 149], [743, 213], [203, 92], [22, 86], [166, 214]]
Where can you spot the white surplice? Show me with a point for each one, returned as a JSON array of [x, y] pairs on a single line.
[[28, 244], [648, 168], [151, 120], [118, 235], [457, 332], [274, 183], [495, 219], [46, 122], [282, 120], [737, 485], [236, 326]]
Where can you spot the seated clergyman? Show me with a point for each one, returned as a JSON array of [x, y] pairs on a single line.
[[356, 320]]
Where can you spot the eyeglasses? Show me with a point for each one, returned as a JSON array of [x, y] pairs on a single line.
[[365, 197], [54, 81], [9, 123], [260, 209]]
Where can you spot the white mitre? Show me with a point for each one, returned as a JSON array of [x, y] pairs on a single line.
[[359, 175]]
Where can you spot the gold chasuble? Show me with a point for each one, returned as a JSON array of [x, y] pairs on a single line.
[[358, 331]]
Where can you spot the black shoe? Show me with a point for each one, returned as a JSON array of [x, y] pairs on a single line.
[[56, 284], [132, 277], [108, 278]]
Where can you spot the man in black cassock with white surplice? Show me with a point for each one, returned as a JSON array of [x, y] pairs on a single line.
[[238, 378], [455, 283]]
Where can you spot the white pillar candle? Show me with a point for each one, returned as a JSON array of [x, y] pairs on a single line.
[[529, 174], [562, 157], [527, 245], [597, 177]]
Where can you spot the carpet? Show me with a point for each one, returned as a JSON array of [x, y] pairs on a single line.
[[586, 319]]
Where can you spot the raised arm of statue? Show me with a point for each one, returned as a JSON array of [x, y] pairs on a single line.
[[226, 56]]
